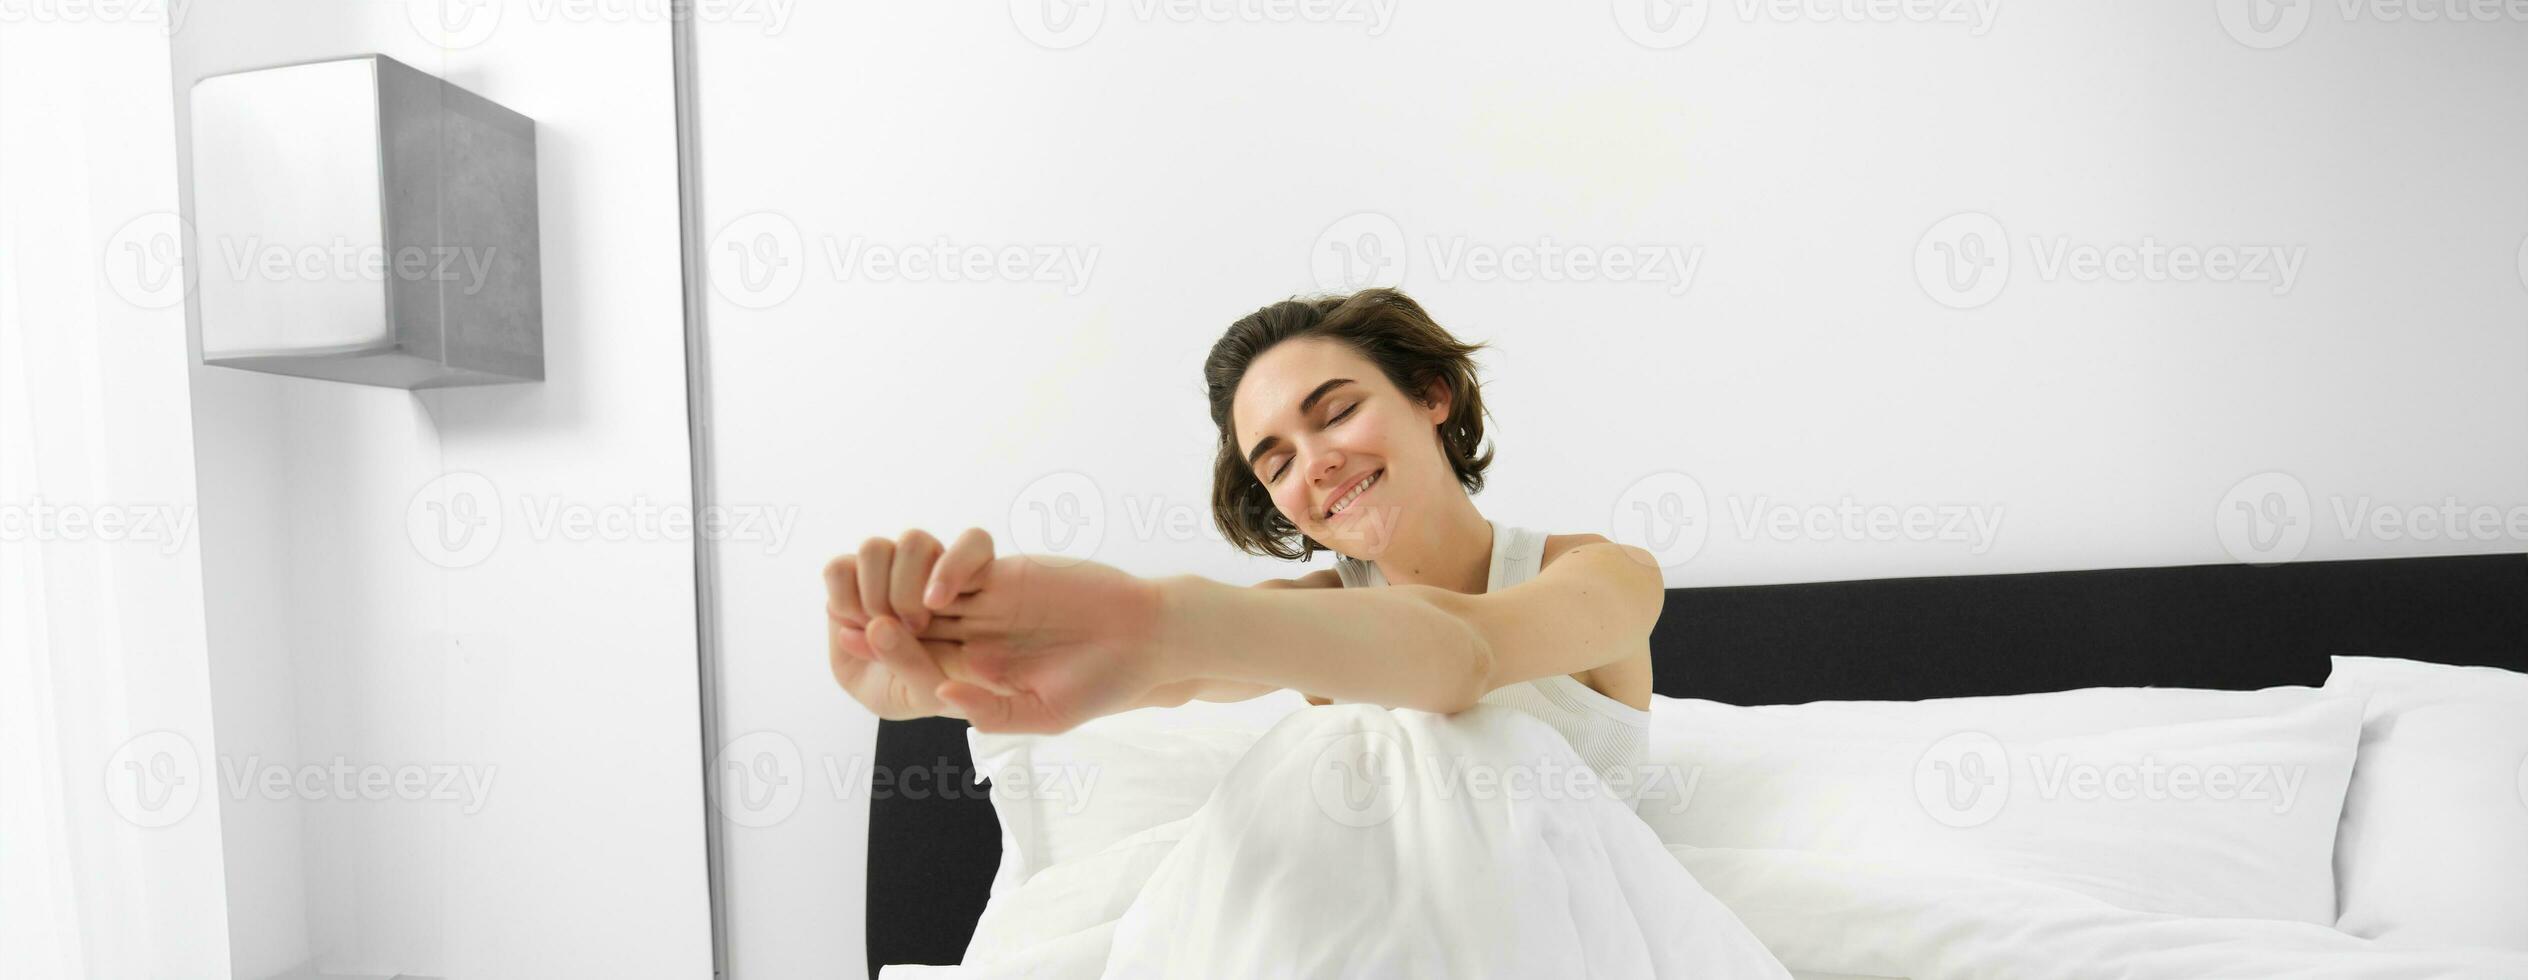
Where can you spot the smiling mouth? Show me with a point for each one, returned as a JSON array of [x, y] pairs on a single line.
[[1353, 497]]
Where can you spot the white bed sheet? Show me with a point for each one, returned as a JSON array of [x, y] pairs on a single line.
[[1842, 913], [1353, 840]]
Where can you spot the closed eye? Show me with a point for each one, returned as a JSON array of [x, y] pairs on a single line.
[[1346, 413]]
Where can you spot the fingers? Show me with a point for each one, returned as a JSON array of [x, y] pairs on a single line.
[[915, 552], [847, 663], [958, 569], [842, 592], [1019, 714], [902, 654], [877, 559], [926, 665], [853, 642], [993, 591], [984, 665]]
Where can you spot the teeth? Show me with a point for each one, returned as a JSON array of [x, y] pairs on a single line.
[[1354, 495]]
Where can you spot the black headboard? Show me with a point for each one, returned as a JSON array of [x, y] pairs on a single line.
[[932, 855]]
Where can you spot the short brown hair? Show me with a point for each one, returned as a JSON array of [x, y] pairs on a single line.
[[1390, 330]]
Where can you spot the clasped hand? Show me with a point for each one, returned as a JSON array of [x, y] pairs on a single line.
[[1023, 643]]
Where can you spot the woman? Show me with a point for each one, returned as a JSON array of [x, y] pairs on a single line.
[[1348, 424]]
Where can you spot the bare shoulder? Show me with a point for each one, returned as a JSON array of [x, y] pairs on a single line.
[[1557, 544], [1627, 680], [1323, 578]]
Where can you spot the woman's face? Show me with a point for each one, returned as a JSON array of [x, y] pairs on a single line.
[[1314, 420]]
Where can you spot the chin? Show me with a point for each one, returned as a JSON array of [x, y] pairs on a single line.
[[1365, 536]]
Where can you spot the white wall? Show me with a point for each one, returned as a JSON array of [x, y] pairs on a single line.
[[1211, 166], [110, 844], [557, 669]]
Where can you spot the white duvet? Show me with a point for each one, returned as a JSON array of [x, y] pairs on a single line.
[[1359, 841], [1844, 914], [1340, 845]]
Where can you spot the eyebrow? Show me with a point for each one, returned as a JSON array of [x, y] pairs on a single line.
[[1270, 442]]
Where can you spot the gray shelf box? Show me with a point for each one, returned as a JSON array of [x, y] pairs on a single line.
[[357, 220]]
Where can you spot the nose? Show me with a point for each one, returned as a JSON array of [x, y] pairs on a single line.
[[1325, 463]]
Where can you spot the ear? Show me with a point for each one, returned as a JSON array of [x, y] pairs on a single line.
[[1439, 399]]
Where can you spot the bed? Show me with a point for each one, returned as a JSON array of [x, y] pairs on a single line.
[[933, 850]]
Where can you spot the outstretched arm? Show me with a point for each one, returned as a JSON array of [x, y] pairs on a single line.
[[1033, 644], [1394, 646], [1593, 605]]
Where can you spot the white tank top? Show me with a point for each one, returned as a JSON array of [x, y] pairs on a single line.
[[1608, 734]]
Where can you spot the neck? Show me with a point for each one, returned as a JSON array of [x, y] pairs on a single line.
[[1450, 547]]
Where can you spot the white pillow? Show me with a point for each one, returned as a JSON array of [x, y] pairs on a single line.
[[2435, 833], [2193, 802], [1062, 797]]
